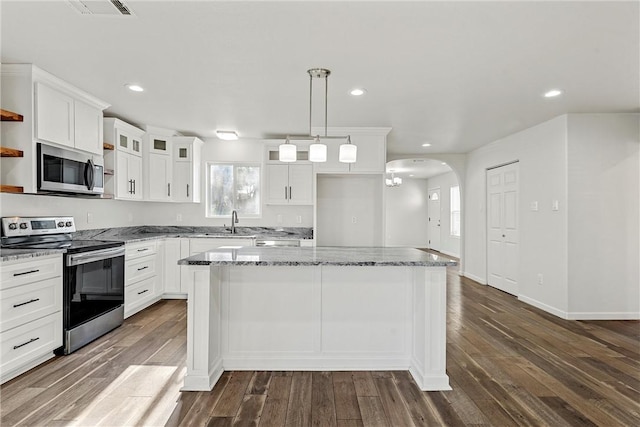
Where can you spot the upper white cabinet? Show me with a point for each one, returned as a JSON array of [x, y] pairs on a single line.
[[289, 184], [125, 161], [54, 116], [372, 149], [54, 112], [186, 169], [158, 164]]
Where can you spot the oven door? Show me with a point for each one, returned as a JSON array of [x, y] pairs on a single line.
[[94, 285], [61, 170]]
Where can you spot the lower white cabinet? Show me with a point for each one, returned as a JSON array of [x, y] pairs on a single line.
[[142, 276], [30, 313], [171, 279]]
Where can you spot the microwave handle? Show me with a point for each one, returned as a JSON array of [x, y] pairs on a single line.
[[89, 171]]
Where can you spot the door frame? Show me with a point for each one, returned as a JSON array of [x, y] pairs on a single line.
[[429, 190], [486, 222]]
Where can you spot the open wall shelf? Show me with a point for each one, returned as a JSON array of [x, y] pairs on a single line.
[[10, 152], [10, 116]]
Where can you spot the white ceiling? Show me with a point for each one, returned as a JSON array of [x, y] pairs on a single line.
[[456, 74]]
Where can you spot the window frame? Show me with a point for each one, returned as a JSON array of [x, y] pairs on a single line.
[[452, 212], [208, 213]]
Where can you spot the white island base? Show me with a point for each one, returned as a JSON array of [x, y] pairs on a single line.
[[316, 318]]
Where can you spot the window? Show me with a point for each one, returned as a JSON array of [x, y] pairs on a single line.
[[233, 186], [455, 211]]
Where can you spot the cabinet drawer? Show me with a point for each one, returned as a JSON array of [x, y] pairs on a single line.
[[140, 269], [140, 249], [21, 345], [22, 304], [16, 273], [138, 293]]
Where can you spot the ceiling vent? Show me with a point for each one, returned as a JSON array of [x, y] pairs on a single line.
[[101, 7]]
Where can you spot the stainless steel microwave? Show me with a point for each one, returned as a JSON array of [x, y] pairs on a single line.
[[69, 171]]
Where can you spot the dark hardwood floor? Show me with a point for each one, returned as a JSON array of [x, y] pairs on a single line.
[[509, 364]]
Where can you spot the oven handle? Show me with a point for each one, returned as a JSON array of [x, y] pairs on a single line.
[[93, 256]]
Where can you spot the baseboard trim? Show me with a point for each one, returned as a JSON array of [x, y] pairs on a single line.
[[577, 315], [473, 277], [544, 307]]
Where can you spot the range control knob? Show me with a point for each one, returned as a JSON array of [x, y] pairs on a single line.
[[13, 226], [23, 225], [68, 224], [61, 224]]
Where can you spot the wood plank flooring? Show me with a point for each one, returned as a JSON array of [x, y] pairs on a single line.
[[509, 364]]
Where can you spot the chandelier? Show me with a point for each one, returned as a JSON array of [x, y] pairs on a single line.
[[287, 152], [394, 181]]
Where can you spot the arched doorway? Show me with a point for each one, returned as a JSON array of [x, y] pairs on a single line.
[[424, 207]]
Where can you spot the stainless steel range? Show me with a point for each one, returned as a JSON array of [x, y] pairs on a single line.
[[93, 275]]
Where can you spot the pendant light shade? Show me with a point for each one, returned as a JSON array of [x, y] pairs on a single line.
[[287, 152], [348, 152], [317, 151]]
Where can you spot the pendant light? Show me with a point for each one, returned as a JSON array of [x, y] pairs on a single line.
[[348, 152], [317, 150], [287, 152]]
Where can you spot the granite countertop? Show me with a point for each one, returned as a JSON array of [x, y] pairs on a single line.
[[142, 233], [16, 254], [339, 256]]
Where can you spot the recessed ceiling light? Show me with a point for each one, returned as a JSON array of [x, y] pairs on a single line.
[[358, 92], [553, 93], [227, 135], [411, 175], [443, 163], [135, 88], [426, 144]]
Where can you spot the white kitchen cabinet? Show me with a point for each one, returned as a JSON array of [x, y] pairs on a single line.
[[54, 116], [157, 163], [141, 276], [289, 184], [159, 177], [30, 314], [172, 253], [54, 112], [186, 169], [62, 119], [88, 127], [125, 160]]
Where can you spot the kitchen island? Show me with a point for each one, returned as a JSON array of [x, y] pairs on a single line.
[[316, 308]]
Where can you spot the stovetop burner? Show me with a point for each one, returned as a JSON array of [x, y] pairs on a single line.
[[47, 233]]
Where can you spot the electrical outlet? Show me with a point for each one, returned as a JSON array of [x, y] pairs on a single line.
[[179, 217], [555, 205], [89, 217], [540, 279], [279, 219], [299, 219], [534, 206], [354, 220]]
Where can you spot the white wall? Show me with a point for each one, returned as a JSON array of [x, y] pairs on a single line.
[[541, 151], [118, 213], [604, 218], [449, 244], [406, 214], [341, 198], [587, 251]]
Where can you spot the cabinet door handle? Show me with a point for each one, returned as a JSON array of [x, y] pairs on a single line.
[[143, 249], [134, 186], [187, 190], [285, 192], [130, 186], [25, 272], [169, 190], [142, 268], [15, 347], [25, 303], [289, 193], [142, 292]]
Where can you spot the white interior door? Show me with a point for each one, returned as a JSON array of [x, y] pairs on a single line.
[[434, 219], [502, 228]]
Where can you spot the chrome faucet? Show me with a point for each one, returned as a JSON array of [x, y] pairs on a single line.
[[234, 221]]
